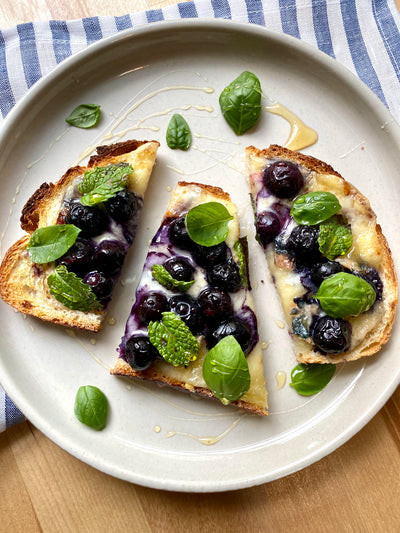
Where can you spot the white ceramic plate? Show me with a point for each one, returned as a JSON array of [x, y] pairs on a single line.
[[156, 437]]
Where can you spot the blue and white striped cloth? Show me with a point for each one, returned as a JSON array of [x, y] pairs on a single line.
[[363, 35]]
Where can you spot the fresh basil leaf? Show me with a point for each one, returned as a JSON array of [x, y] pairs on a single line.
[[314, 207], [207, 224], [163, 277], [240, 102], [311, 378], [49, 243], [241, 248], [344, 294], [178, 133], [102, 183], [173, 339], [84, 116], [91, 407], [226, 371], [334, 239], [69, 289]]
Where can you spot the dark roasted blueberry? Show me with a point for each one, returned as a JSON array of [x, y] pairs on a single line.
[[188, 310], [139, 352], [331, 335], [303, 245], [178, 234], [321, 271], [122, 206], [306, 299], [283, 179], [179, 268], [151, 305], [109, 257], [215, 304], [225, 276], [235, 327], [100, 284], [210, 255], [370, 275], [79, 257], [268, 226], [91, 220]]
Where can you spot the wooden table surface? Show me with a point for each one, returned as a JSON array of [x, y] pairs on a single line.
[[43, 488]]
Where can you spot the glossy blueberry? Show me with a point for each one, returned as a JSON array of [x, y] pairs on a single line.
[[210, 255], [188, 310], [91, 220], [268, 226], [109, 257], [139, 352], [79, 257], [303, 245], [371, 275], [215, 304], [283, 179], [151, 305], [234, 326], [321, 271], [122, 206], [225, 276], [178, 234], [331, 335], [179, 268], [100, 284]]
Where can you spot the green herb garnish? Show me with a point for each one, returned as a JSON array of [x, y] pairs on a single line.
[[102, 183], [84, 116], [241, 248], [314, 207], [69, 289], [308, 379], [240, 102], [344, 294], [163, 277], [178, 133], [173, 339], [334, 239], [207, 224], [226, 371], [91, 407], [49, 243]]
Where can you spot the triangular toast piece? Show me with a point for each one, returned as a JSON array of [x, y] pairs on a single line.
[[202, 306], [97, 255], [304, 256]]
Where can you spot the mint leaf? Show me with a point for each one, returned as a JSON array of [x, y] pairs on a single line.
[[240, 102], [314, 207], [334, 239], [69, 289], [308, 379], [84, 116], [207, 224], [49, 243], [173, 339], [225, 370], [163, 277], [102, 183], [178, 133], [241, 248], [91, 407]]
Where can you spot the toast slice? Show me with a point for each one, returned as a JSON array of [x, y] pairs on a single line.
[[24, 284], [298, 270], [203, 314]]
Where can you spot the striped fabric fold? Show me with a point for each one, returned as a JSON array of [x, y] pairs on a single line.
[[363, 36]]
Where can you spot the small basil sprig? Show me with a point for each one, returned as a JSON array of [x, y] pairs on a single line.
[[344, 294], [308, 379], [84, 116], [49, 243], [226, 371], [102, 183], [178, 133], [91, 407], [334, 239], [314, 207], [240, 102], [163, 277], [69, 289], [207, 224]]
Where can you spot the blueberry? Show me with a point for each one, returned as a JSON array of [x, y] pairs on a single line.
[[139, 352], [179, 268], [109, 257], [303, 245], [79, 257], [209, 255], [122, 206], [215, 304], [268, 226], [151, 305], [235, 327], [178, 234], [225, 276], [100, 284], [321, 271], [188, 310], [331, 335], [283, 179], [91, 220], [371, 275]]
